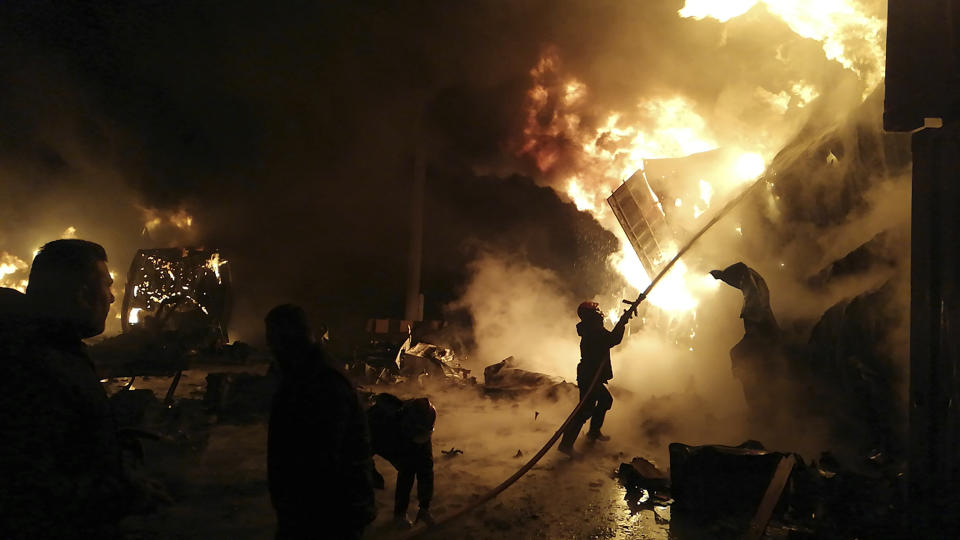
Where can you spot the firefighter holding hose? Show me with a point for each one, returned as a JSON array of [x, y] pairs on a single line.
[[595, 344]]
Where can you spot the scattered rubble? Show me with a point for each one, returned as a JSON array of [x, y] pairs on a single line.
[[647, 487], [430, 359], [451, 453], [391, 363], [506, 379], [734, 492]]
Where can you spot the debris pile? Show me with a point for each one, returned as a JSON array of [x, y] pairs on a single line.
[[506, 379], [647, 486], [742, 491], [392, 357], [429, 359]]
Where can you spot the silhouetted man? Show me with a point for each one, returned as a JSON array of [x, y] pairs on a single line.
[[61, 474], [595, 344], [318, 449], [401, 433]]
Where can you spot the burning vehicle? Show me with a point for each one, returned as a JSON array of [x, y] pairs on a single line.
[[176, 309], [184, 289]]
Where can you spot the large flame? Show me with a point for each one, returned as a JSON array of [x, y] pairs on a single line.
[[849, 34], [587, 154], [608, 154], [588, 160]]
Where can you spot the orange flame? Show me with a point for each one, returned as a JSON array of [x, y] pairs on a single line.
[[154, 218], [13, 272], [848, 34], [587, 153]]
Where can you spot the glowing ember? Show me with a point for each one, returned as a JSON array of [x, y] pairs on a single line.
[[214, 263], [134, 316]]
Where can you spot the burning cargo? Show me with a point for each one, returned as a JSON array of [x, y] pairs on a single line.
[[176, 304], [179, 288]]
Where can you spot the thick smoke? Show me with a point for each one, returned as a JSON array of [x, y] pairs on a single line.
[[828, 228], [288, 132]]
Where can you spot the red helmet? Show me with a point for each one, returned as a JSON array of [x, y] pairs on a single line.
[[589, 309]]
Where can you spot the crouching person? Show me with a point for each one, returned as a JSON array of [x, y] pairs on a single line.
[[401, 433]]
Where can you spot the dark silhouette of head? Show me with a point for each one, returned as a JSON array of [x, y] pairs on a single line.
[[70, 282], [417, 420], [288, 334], [12, 303], [589, 312]]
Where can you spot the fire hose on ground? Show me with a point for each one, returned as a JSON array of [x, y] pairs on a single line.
[[446, 520]]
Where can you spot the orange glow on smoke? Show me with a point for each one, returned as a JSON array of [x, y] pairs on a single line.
[[13, 272], [847, 33], [154, 218]]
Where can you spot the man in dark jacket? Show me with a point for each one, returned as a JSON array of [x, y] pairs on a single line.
[[318, 448], [595, 344], [60, 459], [401, 433]]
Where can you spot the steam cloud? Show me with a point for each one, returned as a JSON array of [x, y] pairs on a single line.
[[288, 133]]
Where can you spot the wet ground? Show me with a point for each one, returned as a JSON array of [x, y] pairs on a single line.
[[220, 491]]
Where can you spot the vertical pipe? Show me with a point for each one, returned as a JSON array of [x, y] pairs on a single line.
[[934, 475], [414, 310]]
